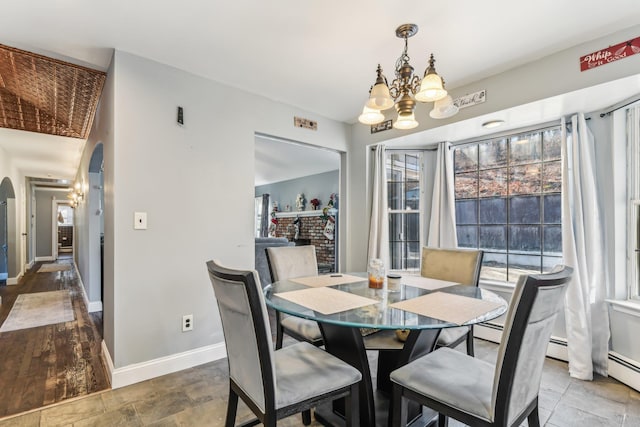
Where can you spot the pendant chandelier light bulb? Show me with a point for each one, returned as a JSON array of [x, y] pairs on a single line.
[[408, 88], [380, 98], [405, 121], [444, 108], [370, 116]]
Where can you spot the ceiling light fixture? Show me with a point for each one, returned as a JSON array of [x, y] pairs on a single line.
[[406, 89], [492, 124]]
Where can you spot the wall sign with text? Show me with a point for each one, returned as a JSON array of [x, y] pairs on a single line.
[[610, 54]]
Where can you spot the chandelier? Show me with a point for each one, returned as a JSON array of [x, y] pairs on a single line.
[[406, 90]]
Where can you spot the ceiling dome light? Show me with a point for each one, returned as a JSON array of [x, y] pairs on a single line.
[[492, 124], [370, 116]]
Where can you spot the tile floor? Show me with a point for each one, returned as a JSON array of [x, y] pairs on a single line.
[[197, 397]]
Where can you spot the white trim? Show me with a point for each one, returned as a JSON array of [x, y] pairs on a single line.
[[625, 370], [628, 307], [107, 361], [92, 306], [14, 280], [28, 266], [293, 214], [44, 258], [137, 372]]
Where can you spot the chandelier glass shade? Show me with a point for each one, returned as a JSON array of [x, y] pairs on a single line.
[[407, 90]]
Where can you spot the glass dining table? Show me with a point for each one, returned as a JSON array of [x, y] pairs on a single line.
[[355, 318]]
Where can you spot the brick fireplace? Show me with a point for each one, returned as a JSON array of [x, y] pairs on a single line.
[[312, 226]]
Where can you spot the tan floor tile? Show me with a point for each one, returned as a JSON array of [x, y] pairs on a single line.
[[28, 420], [68, 413], [167, 404], [124, 416]]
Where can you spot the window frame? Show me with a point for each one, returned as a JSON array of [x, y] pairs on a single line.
[[402, 213], [507, 168], [632, 139]]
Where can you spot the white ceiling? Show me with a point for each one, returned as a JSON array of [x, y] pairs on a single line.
[[319, 56], [279, 160]]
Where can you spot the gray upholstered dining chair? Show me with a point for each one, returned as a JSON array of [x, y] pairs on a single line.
[[273, 384], [453, 265], [476, 392], [287, 263]]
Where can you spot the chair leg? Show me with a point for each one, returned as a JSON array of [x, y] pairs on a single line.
[[279, 331], [534, 418], [306, 417], [232, 407], [398, 408], [470, 341], [443, 420]]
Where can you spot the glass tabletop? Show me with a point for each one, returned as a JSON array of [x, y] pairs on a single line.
[[381, 315]]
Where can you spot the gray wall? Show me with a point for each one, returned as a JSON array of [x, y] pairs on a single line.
[[155, 276], [318, 186]]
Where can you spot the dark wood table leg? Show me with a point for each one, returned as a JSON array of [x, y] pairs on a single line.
[[347, 344]]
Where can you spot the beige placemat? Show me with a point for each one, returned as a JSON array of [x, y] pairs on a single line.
[[327, 280], [326, 300], [425, 282], [447, 307]]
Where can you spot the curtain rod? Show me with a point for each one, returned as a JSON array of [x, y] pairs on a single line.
[[608, 113], [407, 150]]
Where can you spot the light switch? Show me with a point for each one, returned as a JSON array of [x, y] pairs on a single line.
[[140, 220]]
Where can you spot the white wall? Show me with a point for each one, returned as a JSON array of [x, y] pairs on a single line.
[[155, 276]]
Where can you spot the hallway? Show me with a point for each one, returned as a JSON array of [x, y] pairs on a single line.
[[48, 364]]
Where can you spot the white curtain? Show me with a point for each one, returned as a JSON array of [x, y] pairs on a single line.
[[379, 228], [442, 227], [586, 316]]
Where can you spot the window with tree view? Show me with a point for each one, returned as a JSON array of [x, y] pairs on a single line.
[[403, 192], [507, 193]]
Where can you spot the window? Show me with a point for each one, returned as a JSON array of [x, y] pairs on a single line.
[[403, 192], [507, 193]]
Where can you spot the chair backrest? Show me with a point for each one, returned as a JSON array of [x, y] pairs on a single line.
[[453, 265], [534, 307], [247, 335], [288, 262]]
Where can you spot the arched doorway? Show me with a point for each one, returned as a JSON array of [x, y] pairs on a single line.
[[8, 242]]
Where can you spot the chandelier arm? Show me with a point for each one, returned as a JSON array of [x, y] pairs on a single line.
[[395, 88], [415, 84]]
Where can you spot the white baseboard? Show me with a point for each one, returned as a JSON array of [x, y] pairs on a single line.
[[127, 375], [92, 306], [623, 369], [14, 280], [28, 266], [44, 258]]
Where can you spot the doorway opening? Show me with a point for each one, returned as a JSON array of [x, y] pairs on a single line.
[[8, 243]]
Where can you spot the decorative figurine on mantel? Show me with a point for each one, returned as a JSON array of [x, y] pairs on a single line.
[[300, 202]]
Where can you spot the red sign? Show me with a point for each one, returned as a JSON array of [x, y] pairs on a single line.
[[610, 54]]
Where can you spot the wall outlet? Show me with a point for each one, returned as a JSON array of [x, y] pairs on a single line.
[[187, 322]]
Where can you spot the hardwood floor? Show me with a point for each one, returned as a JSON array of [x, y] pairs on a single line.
[[48, 364]]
